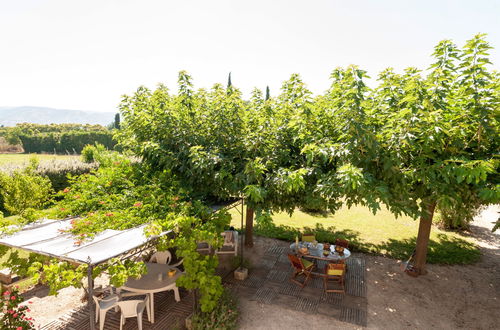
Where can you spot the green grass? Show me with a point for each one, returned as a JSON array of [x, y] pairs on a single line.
[[378, 234], [11, 159]]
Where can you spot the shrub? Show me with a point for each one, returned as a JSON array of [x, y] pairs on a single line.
[[24, 189], [223, 316], [58, 171], [90, 152], [6, 146], [13, 316]]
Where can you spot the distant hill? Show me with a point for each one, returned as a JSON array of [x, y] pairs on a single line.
[[10, 116]]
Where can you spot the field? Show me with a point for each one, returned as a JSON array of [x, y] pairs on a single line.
[[11, 159], [382, 233]]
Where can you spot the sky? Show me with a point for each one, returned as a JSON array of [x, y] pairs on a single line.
[[86, 54]]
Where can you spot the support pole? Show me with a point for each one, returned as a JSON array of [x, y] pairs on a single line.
[[90, 299], [242, 232], [249, 227]]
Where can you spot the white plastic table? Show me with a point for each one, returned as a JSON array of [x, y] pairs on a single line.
[[153, 282]]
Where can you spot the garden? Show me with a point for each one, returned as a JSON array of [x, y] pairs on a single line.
[[398, 169]]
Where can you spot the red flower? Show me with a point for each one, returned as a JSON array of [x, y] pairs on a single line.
[[66, 190], [30, 302], [19, 328], [62, 209], [109, 214], [102, 202], [6, 293], [76, 197], [14, 315], [13, 298], [138, 204]]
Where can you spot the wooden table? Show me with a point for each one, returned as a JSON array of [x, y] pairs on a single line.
[[155, 280]]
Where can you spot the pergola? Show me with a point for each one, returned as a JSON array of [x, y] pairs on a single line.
[[52, 238]]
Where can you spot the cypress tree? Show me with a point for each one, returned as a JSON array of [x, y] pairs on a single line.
[[117, 121], [268, 95], [229, 84]]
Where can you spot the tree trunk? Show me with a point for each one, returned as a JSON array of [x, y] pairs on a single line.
[[424, 231], [249, 227]]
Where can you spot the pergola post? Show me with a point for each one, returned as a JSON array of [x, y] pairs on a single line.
[[90, 299], [242, 233], [249, 227]]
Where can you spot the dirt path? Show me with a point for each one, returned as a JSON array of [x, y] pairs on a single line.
[[449, 297]]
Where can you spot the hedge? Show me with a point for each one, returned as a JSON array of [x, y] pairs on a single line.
[[65, 142]]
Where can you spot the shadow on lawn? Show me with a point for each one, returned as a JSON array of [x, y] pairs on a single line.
[[443, 250]]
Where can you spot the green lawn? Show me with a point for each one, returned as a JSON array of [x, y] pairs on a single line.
[[10, 159], [379, 234]]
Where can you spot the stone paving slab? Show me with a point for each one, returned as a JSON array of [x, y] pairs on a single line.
[[273, 286], [169, 314]]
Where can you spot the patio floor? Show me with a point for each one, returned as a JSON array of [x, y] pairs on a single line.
[[169, 314], [268, 283]]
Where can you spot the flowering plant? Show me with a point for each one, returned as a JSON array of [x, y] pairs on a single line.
[[12, 315]]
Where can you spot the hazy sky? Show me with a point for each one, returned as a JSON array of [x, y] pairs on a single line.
[[85, 54]]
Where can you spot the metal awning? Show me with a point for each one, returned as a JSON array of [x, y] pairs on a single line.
[[51, 238]]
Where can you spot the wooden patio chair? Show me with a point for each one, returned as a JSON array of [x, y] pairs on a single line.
[[308, 238], [342, 242], [334, 273], [301, 267], [230, 243]]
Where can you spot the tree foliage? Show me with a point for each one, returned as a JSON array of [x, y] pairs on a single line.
[[414, 137], [122, 194], [415, 140]]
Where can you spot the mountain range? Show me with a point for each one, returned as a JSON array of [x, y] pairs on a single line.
[[10, 116]]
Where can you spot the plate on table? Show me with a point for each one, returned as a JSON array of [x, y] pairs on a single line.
[[332, 248]]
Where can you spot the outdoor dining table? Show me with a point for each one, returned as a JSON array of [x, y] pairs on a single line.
[[316, 251], [155, 280]]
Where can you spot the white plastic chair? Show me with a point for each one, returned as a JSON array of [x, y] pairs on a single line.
[[230, 246], [164, 257], [102, 306], [134, 308]]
